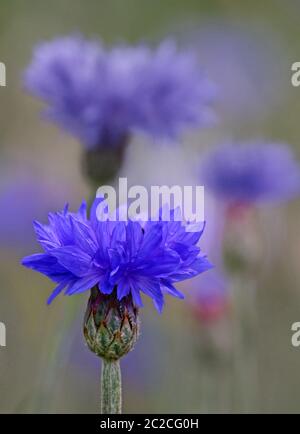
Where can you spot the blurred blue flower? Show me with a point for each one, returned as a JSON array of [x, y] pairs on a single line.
[[173, 92], [101, 96], [25, 193], [251, 173], [117, 256], [210, 296]]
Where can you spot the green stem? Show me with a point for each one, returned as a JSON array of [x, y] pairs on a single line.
[[111, 388]]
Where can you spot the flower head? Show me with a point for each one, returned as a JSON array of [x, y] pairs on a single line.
[[174, 93], [119, 258], [101, 96], [251, 173]]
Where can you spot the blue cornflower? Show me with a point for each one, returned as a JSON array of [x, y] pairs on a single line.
[[251, 173], [174, 92], [119, 258], [101, 96]]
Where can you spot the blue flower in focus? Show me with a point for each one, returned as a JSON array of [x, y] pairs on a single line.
[[253, 172], [101, 96], [125, 258]]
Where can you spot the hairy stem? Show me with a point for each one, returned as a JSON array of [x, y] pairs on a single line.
[[111, 389]]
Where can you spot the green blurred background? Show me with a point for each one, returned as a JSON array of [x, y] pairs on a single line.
[[180, 364]]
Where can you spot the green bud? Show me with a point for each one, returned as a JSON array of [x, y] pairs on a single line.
[[111, 327]]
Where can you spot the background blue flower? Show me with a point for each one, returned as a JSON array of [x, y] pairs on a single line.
[[251, 172], [210, 296], [101, 95]]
